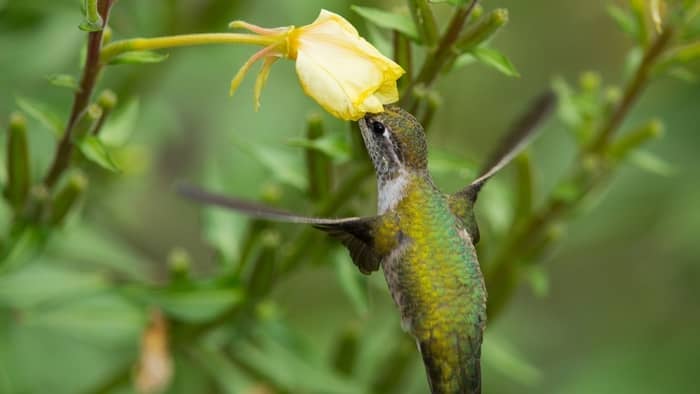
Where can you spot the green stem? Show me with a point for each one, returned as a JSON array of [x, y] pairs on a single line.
[[440, 55], [91, 71], [502, 273], [144, 44], [424, 20], [632, 90]]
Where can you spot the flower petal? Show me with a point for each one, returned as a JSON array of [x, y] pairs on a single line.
[[322, 87], [341, 70]]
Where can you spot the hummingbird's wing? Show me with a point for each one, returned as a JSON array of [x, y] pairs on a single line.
[[356, 233], [462, 202]]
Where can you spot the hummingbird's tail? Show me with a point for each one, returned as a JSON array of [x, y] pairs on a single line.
[[453, 365]]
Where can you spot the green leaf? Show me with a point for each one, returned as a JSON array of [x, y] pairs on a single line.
[[63, 81], [464, 59], [222, 230], [351, 281], [284, 166], [121, 124], [625, 20], [567, 190], [282, 364], [650, 162], [41, 113], [495, 59], [389, 20], [539, 281], [566, 105], [195, 305], [139, 57], [22, 248], [106, 318], [503, 358], [39, 283], [455, 3], [228, 376], [95, 151], [632, 62], [91, 247], [683, 74], [334, 145]]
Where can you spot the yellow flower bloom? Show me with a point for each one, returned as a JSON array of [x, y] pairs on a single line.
[[339, 69]]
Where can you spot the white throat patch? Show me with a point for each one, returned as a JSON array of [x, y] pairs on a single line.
[[391, 192]]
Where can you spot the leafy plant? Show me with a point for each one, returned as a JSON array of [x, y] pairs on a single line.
[[224, 330]]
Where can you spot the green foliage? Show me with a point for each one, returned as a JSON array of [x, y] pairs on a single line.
[[389, 20], [86, 254], [142, 57]]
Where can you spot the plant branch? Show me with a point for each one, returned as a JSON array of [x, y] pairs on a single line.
[[441, 53], [529, 233], [91, 71], [633, 89]]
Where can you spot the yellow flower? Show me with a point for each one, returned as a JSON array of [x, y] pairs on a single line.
[[339, 69]]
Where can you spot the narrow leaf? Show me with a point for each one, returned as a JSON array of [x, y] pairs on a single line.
[[139, 57], [334, 145], [502, 358], [63, 81], [282, 165], [96, 152], [121, 124], [495, 59], [39, 283], [455, 3], [351, 281], [652, 163], [464, 60], [389, 20], [683, 74], [105, 319], [625, 21], [566, 109], [41, 113], [196, 305]]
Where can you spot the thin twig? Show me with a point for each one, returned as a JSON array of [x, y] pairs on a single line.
[[502, 273], [81, 99], [633, 89], [440, 55]]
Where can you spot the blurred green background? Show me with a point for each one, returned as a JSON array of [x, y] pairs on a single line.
[[622, 310]]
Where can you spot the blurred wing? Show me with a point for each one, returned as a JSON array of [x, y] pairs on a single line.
[[356, 233], [518, 137], [462, 202]]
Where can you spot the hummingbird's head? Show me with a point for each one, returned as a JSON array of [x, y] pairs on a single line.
[[395, 141]]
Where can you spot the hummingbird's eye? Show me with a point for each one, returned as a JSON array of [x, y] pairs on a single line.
[[377, 127]]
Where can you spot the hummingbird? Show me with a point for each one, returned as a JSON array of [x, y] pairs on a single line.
[[423, 240]]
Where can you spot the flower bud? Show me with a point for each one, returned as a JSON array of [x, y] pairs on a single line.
[[631, 141], [318, 165], [87, 121], [484, 29], [67, 197], [18, 171]]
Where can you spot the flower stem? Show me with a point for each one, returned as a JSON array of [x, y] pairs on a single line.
[[91, 71], [143, 44]]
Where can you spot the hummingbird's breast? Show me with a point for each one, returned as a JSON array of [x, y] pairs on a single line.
[[433, 274]]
